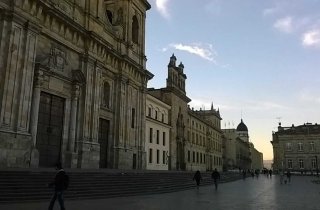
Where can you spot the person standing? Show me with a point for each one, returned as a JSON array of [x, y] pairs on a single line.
[[215, 176], [197, 177], [60, 184]]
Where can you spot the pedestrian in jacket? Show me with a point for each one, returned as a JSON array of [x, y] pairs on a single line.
[[215, 176], [59, 184], [197, 177]]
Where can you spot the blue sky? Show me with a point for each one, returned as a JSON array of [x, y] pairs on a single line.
[[258, 57]]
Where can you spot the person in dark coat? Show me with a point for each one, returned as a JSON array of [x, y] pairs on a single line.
[[215, 176], [59, 187], [197, 177]]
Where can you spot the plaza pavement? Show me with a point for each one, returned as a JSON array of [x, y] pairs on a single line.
[[256, 194]]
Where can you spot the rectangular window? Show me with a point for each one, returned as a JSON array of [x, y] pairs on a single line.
[[200, 157], [156, 115], [300, 146], [301, 165], [188, 156], [197, 157], [163, 157], [149, 111], [314, 163], [150, 155], [158, 136], [204, 158], [312, 146], [193, 157], [164, 138], [150, 135], [133, 117], [158, 154], [192, 138], [288, 146]]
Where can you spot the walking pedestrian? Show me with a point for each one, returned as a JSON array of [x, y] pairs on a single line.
[[270, 173], [215, 176], [60, 184], [244, 174], [289, 176], [197, 177], [281, 176]]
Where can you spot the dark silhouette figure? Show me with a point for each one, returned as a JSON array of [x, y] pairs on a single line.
[[270, 173], [289, 176], [257, 173], [197, 177], [244, 174], [60, 184], [215, 176], [252, 173]]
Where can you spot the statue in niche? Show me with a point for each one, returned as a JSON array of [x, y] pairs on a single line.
[[119, 16]]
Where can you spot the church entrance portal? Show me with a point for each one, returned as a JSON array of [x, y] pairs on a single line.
[[50, 128]]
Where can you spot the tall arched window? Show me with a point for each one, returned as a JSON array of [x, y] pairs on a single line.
[[109, 16], [135, 29], [106, 95]]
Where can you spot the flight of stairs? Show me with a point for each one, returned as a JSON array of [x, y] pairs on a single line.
[[24, 186]]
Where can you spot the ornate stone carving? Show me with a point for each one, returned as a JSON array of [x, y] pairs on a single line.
[[56, 60]]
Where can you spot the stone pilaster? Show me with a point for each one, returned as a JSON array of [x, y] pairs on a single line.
[[73, 117], [38, 81], [18, 40]]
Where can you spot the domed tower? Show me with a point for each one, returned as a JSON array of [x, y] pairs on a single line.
[[242, 131]]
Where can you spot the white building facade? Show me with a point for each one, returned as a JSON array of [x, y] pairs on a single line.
[[157, 134]]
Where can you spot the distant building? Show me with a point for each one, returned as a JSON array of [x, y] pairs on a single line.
[[256, 158], [296, 148], [204, 145], [229, 139], [157, 134], [238, 152]]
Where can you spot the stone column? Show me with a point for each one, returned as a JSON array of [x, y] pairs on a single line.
[[73, 117], [34, 160]]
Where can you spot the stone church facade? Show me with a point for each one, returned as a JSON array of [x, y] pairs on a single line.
[[73, 83], [195, 136]]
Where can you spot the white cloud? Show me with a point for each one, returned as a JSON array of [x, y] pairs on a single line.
[[311, 38], [284, 24], [266, 105], [270, 11], [162, 7], [204, 51]]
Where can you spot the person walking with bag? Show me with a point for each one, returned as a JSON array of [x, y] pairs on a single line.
[[60, 184]]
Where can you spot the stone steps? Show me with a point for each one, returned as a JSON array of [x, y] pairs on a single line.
[[25, 186]]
